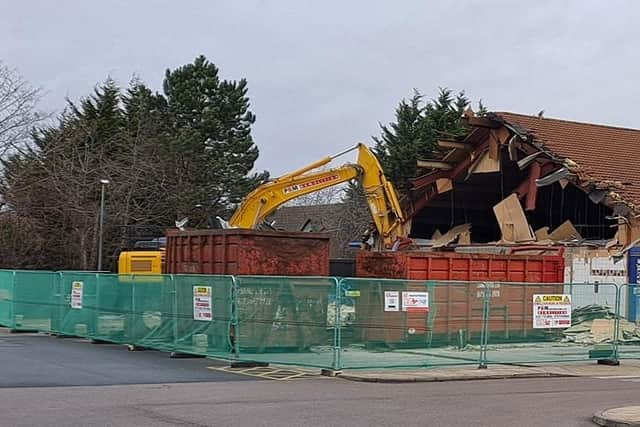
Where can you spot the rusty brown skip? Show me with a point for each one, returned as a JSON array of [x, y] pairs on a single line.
[[247, 252]]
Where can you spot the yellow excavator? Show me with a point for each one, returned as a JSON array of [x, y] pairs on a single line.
[[389, 226]]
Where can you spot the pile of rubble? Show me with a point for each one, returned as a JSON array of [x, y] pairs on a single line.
[[595, 324]]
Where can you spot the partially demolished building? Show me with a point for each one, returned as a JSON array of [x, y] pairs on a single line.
[[523, 185], [545, 180]]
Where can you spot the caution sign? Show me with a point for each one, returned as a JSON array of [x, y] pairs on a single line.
[[415, 302], [552, 311], [202, 303], [76, 295]]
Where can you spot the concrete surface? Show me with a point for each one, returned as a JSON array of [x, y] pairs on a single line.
[[628, 416], [33, 360], [627, 368]]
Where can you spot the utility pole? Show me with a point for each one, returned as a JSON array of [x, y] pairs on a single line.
[[104, 183]]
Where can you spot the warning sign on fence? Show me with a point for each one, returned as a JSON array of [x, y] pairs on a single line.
[[391, 301], [552, 311], [202, 303], [416, 302], [76, 294]]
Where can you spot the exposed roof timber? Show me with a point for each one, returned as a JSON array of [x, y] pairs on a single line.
[[483, 122], [455, 144], [434, 164], [425, 185], [454, 173]]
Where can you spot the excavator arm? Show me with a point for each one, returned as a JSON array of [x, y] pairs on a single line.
[[268, 197], [380, 194]]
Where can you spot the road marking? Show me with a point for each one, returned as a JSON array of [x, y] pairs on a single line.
[[269, 373]]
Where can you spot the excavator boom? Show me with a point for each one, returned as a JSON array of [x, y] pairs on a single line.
[[380, 194]]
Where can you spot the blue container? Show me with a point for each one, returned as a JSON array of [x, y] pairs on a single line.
[[634, 290]]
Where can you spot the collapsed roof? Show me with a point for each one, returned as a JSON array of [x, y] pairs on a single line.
[[530, 156]]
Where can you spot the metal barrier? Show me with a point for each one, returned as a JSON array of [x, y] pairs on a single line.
[[328, 322]]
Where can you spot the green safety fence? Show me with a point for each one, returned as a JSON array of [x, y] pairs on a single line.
[[404, 323], [627, 328], [329, 322], [287, 320], [6, 298], [536, 323]]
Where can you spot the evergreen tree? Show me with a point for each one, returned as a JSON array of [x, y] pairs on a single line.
[[213, 123], [415, 132]]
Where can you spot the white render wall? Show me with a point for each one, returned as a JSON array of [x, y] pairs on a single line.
[[589, 265]]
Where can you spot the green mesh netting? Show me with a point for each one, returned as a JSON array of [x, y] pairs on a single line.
[[285, 320], [204, 330], [405, 323], [354, 323], [515, 336], [36, 299], [6, 298]]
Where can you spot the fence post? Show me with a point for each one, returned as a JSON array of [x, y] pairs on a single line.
[[616, 323], [59, 294], [12, 318], [233, 324], [337, 363], [484, 332], [174, 310]]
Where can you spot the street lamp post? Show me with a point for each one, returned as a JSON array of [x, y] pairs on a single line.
[[103, 182]]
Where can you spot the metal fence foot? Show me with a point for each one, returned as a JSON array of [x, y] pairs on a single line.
[[132, 347], [249, 364], [482, 366], [178, 355], [330, 372]]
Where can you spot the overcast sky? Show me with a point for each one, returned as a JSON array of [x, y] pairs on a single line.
[[323, 74]]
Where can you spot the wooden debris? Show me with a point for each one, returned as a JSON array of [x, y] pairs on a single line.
[[566, 231], [434, 164], [452, 235], [443, 185], [512, 221]]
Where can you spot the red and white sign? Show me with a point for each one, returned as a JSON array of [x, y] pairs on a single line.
[[202, 303], [552, 311], [415, 302]]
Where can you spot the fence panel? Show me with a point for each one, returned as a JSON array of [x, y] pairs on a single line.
[[6, 298], [151, 321], [403, 323], [628, 330], [287, 320], [36, 300], [546, 322], [77, 309], [203, 314], [113, 309]]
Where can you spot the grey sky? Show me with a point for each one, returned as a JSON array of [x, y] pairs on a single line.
[[323, 74]]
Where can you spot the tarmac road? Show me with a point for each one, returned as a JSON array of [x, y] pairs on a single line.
[[45, 381], [319, 402], [33, 360]]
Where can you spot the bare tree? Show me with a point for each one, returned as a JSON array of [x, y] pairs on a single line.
[[18, 113]]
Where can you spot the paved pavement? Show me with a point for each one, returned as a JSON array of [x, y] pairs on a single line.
[[32, 360], [627, 368], [627, 416]]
